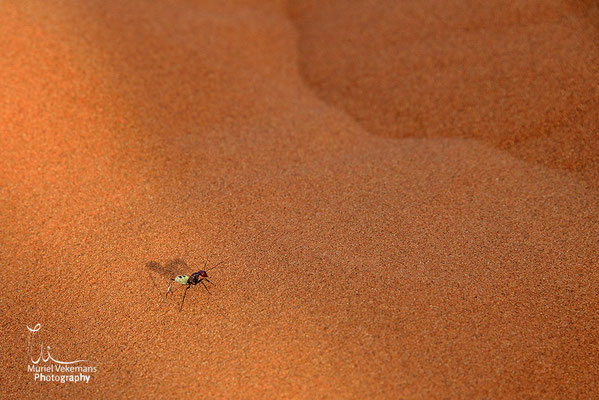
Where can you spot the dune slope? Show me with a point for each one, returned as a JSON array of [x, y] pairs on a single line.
[[355, 264]]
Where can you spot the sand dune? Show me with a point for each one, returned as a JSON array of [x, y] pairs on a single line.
[[520, 76], [403, 197]]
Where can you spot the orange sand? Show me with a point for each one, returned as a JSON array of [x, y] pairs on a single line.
[[404, 194]]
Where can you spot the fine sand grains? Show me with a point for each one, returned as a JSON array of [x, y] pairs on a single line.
[[419, 223]]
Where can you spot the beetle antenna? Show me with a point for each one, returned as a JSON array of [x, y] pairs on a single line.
[[214, 266]]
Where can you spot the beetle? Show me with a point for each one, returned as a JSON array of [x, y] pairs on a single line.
[[193, 279]]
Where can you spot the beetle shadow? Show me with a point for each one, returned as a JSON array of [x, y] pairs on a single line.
[[169, 270]]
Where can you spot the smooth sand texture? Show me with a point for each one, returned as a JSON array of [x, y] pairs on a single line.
[[405, 207]]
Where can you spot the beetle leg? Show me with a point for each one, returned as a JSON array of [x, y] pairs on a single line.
[[184, 294], [205, 285]]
